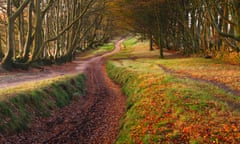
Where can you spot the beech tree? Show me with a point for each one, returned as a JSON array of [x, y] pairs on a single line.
[[11, 17], [49, 31], [2, 27], [191, 26]]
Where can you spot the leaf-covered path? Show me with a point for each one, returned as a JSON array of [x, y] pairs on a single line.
[[91, 119]]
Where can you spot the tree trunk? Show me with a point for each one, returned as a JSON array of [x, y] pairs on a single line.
[[1, 52], [8, 61], [29, 39], [237, 29], [38, 33], [161, 45], [151, 42], [21, 34]]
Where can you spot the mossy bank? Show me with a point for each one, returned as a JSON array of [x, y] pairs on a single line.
[[18, 108]]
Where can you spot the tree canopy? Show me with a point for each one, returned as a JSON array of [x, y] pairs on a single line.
[[192, 26]]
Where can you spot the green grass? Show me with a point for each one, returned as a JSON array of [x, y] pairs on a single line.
[[22, 105], [125, 48], [132, 48], [164, 108], [130, 42], [28, 86], [98, 51], [207, 69]]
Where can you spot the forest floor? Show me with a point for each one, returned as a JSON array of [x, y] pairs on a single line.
[[91, 119]]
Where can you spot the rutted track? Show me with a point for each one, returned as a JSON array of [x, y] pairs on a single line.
[[91, 119]]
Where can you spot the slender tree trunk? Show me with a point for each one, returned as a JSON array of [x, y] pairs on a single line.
[[1, 52], [21, 34], [8, 59], [237, 17], [57, 46], [38, 32], [29, 39], [151, 42], [160, 40]]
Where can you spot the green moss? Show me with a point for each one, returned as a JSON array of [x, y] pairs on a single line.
[[18, 111], [61, 96]]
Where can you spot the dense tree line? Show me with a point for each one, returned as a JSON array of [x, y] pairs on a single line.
[[47, 31], [192, 26]]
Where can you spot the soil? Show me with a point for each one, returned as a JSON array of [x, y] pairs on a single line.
[[94, 118]]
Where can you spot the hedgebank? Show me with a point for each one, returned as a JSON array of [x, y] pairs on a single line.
[[19, 108]]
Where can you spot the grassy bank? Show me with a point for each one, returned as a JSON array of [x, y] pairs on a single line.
[[163, 108], [21, 104], [97, 51]]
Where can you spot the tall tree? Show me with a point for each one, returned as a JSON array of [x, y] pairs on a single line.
[[8, 59]]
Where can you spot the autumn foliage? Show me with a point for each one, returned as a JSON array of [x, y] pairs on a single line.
[[207, 28], [163, 108], [185, 100]]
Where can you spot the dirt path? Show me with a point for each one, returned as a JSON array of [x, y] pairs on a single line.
[[11, 79], [91, 119], [15, 78]]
